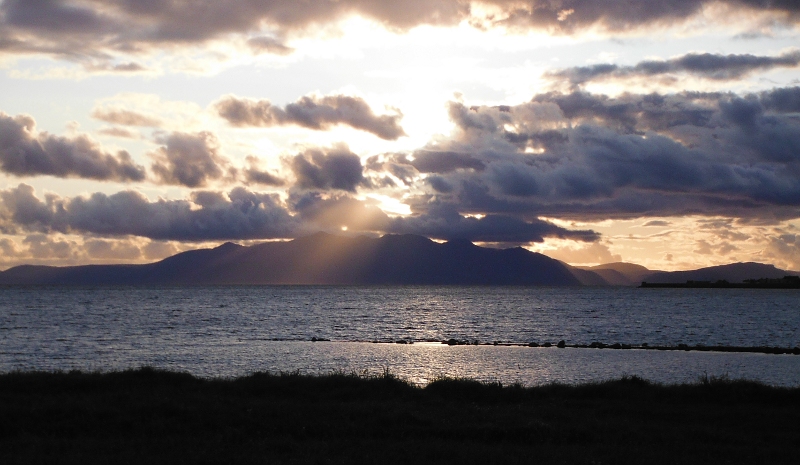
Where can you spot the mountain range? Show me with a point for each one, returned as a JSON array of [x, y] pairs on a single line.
[[392, 259]]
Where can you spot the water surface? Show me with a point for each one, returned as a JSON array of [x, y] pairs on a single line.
[[230, 331]]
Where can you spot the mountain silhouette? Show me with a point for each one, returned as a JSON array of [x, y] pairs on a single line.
[[733, 273], [319, 259], [621, 273]]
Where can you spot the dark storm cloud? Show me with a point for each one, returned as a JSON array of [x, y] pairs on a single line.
[[785, 100], [336, 168], [191, 160], [439, 184], [239, 214], [444, 162], [706, 65], [574, 15], [242, 214], [319, 113], [440, 222], [97, 29], [55, 16], [581, 155], [24, 152], [444, 222]]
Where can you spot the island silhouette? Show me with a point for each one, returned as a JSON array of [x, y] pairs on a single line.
[[327, 259]]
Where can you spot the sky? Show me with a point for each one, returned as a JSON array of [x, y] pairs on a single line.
[[660, 133]]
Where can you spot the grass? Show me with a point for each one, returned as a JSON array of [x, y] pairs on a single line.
[[152, 416]]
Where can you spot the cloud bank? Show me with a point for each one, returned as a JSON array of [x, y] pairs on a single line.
[[243, 214], [704, 65], [96, 32], [240, 214], [584, 156]]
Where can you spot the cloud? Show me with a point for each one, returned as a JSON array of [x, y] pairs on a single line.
[[125, 117], [9, 248], [705, 65], [242, 214], [41, 246], [784, 251], [191, 160], [26, 152], [336, 168], [318, 113], [157, 250], [60, 249], [444, 222], [569, 16], [98, 31], [594, 253], [239, 214], [104, 249], [585, 156], [429, 161], [113, 68], [338, 212], [341, 211], [119, 132], [715, 249], [439, 184], [396, 164], [656, 223], [254, 175], [114, 25], [268, 45]]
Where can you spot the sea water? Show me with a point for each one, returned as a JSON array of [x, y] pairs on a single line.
[[236, 330]]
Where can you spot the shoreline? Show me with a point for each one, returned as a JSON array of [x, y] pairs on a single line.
[[594, 345]]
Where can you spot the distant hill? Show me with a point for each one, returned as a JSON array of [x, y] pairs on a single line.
[[733, 273], [320, 259], [588, 278], [620, 273]]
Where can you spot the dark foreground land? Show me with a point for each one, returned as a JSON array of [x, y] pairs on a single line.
[[151, 416]]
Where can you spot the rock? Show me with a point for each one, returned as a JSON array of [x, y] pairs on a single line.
[[561, 344]]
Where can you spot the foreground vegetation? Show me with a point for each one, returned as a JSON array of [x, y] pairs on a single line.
[[152, 416]]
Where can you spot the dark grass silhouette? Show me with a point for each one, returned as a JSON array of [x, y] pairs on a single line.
[[153, 416]]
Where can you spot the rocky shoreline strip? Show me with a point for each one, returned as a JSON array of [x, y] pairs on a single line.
[[600, 345]]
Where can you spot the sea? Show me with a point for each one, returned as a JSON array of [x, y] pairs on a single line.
[[232, 331]]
